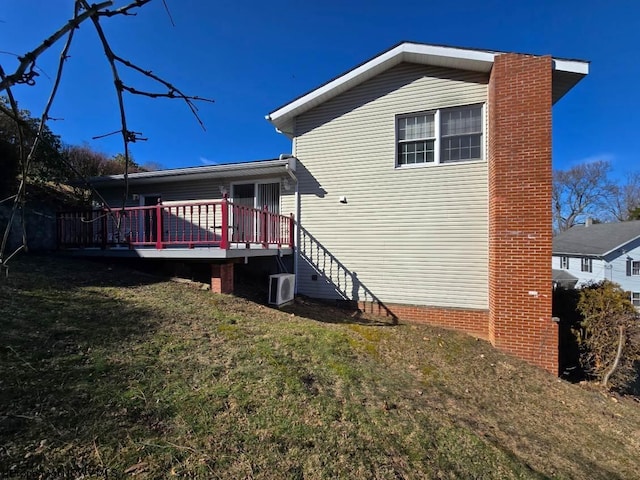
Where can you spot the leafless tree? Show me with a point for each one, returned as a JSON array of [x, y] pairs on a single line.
[[624, 202], [581, 191], [26, 73]]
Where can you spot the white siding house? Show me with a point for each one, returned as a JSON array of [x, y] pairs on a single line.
[[410, 179], [378, 223], [401, 234], [606, 251], [424, 180]]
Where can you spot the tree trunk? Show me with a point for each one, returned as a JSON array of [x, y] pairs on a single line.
[[616, 361]]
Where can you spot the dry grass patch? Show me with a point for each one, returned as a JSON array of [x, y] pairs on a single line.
[[105, 372]]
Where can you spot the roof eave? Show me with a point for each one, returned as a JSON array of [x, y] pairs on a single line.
[[197, 173], [598, 255], [619, 247], [578, 254], [475, 60], [566, 74]]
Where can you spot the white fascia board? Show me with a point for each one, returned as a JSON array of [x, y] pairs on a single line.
[[336, 83], [577, 254], [436, 55], [479, 60], [428, 54], [195, 172], [571, 66]]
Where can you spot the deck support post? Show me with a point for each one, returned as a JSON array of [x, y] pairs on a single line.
[[224, 222], [105, 229], [222, 277], [264, 226], [292, 225], [159, 245]]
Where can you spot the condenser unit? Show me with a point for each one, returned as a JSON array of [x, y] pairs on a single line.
[[281, 288]]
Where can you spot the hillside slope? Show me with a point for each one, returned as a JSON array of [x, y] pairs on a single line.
[[105, 372]]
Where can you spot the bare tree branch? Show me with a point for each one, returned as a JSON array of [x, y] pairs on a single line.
[[616, 360], [19, 197], [166, 7], [118, 84], [173, 92], [625, 198], [123, 10], [54, 90], [25, 73], [25, 161], [28, 60]]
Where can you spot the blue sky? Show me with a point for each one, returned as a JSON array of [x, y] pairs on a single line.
[[253, 56]]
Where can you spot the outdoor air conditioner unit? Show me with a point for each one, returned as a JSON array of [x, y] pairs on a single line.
[[281, 288]]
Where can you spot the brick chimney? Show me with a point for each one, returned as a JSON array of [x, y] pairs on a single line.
[[519, 144]]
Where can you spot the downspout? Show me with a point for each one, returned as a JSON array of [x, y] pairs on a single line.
[[290, 167], [292, 161]]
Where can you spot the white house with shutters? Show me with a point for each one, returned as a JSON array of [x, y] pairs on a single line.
[[604, 251]]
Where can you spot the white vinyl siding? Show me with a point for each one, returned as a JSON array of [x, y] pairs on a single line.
[[405, 235], [614, 267], [182, 191], [169, 191]]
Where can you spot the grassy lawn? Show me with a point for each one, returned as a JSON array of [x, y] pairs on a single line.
[[107, 373]]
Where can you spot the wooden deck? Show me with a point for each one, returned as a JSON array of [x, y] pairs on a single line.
[[172, 230]]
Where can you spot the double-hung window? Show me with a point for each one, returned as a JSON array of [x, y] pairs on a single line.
[[564, 263], [416, 139], [461, 130], [587, 265], [635, 299], [441, 136]]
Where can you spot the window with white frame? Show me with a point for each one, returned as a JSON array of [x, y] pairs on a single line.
[[635, 299], [635, 268], [564, 263], [441, 136], [461, 130], [416, 139], [587, 265]]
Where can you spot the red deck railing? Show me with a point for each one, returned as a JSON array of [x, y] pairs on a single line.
[[191, 224]]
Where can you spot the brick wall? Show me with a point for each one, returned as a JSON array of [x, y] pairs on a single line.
[[473, 322], [519, 318], [222, 277], [519, 146]]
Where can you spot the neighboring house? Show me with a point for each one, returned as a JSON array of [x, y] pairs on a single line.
[[562, 278], [603, 251], [423, 190]]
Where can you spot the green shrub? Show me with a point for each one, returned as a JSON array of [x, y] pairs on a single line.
[[609, 334]]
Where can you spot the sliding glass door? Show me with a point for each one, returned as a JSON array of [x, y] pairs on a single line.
[[247, 225]]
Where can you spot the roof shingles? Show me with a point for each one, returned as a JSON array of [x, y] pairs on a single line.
[[597, 239]]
